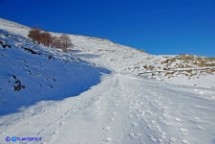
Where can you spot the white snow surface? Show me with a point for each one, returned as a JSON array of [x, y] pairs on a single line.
[[88, 96]]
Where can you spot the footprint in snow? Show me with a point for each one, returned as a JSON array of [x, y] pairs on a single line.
[[200, 127], [134, 136], [111, 119], [161, 141], [153, 139], [160, 104], [196, 118], [164, 108], [114, 113], [160, 119], [55, 132], [149, 126], [178, 119], [163, 135], [130, 116], [107, 128], [66, 113], [107, 140], [152, 121], [201, 92], [40, 131], [172, 140], [184, 131], [148, 113], [185, 142], [62, 123], [133, 124], [69, 117], [165, 114]]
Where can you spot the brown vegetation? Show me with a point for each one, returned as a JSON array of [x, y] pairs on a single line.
[[48, 40], [66, 42], [34, 34], [188, 61]]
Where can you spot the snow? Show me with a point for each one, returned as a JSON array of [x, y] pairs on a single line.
[[95, 98], [14, 27], [52, 75], [130, 110]]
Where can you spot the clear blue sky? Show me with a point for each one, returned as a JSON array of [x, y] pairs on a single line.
[[156, 26]]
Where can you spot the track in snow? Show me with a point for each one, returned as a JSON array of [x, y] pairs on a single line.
[[120, 110]]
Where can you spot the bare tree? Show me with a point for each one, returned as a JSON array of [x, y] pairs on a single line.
[[66, 42], [56, 42], [34, 34], [63, 42], [45, 38]]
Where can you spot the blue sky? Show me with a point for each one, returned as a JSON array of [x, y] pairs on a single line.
[[156, 26]]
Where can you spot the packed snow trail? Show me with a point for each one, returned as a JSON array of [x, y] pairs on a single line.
[[120, 110]]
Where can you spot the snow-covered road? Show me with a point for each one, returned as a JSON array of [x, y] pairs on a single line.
[[121, 109]]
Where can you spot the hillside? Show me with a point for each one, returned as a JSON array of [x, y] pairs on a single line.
[[31, 73], [124, 59], [100, 92]]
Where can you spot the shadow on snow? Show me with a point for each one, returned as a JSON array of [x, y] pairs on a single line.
[[63, 88]]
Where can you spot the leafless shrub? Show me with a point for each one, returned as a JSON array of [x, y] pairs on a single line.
[[45, 38]]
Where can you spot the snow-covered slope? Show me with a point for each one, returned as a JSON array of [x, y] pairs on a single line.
[[14, 27], [30, 73], [123, 96]]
